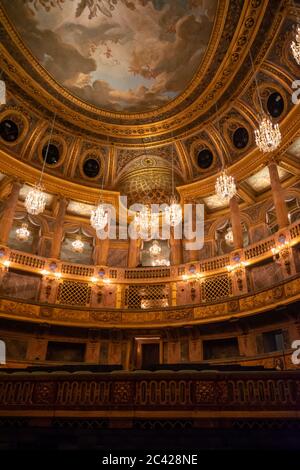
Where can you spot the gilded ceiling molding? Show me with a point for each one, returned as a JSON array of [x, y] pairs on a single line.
[[223, 7], [280, 75], [250, 114], [53, 184], [184, 158], [253, 14], [32, 140], [246, 193], [219, 142], [111, 164], [249, 164], [72, 161], [290, 165]]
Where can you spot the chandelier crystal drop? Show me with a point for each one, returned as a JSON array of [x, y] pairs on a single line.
[[99, 217], [35, 201], [295, 46], [2, 92], [23, 233], [268, 135], [78, 245], [155, 249], [225, 187], [173, 212], [229, 236], [145, 220]]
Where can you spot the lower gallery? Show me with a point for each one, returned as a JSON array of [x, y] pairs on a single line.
[[150, 227]]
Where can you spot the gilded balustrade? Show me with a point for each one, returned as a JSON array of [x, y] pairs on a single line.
[[253, 253], [200, 290]]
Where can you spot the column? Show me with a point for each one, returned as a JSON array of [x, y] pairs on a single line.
[[278, 197], [134, 252], [236, 223], [9, 212], [59, 229], [175, 249], [191, 255], [101, 251]]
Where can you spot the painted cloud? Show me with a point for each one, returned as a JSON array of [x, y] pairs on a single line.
[[119, 55]]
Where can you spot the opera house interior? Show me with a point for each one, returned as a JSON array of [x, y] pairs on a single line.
[[149, 231]]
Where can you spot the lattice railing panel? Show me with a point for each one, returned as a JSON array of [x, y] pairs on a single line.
[[77, 270], [27, 260], [295, 231], [216, 288], [74, 293], [214, 264], [147, 296], [147, 273], [259, 249]]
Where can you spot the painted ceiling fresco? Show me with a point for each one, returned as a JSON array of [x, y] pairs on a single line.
[[120, 55]]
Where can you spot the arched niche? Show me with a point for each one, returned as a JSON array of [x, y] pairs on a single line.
[[34, 226], [67, 251], [224, 237], [162, 259]]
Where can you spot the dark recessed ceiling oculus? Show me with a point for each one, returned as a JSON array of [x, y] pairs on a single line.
[[9, 130], [50, 153], [91, 167], [240, 138], [205, 159], [275, 104]]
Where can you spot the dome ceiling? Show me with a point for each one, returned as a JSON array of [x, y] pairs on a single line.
[[208, 122], [118, 55]]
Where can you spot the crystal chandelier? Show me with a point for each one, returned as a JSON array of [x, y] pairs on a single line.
[[225, 187], [155, 249], [173, 212], [2, 92], [146, 220], [268, 135], [23, 233], [229, 236], [99, 217], [295, 46], [78, 245], [35, 201]]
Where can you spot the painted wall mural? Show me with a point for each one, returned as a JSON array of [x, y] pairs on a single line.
[[120, 55]]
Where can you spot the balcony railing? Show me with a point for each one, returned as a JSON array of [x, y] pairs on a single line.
[[224, 393], [252, 253]]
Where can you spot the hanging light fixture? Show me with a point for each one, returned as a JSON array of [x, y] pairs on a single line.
[[229, 236], [173, 211], [36, 199], [77, 245], [145, 220], [23, 233], [155, 249], [295, 45], [268, 135], [2, 92], [225, 186], [99, 215]]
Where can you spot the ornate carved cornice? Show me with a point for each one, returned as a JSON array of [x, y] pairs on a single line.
[[234, 32]]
